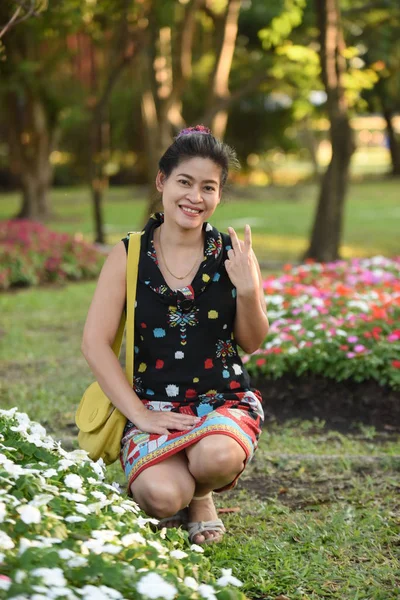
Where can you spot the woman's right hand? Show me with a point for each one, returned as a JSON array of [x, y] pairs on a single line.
[[162, 422]]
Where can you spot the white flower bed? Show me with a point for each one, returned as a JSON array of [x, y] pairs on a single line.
[[66, 534]]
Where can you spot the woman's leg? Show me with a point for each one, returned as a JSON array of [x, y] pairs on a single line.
[[214, 462], [165, 488]]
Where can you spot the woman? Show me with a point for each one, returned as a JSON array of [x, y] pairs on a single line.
[[193, 419]]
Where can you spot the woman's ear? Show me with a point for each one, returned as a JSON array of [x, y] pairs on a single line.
[[160, 180]]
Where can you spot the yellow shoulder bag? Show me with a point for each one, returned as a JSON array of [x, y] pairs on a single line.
[[100, 423]]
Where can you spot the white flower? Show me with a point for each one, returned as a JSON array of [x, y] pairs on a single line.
[[77, 561], [66, 553], [29, 514], [41, 500], [74, 519], [91, 592], [99, 495], [191, 583], [111, 548], [92, 481], [118, 510], [19, 576], [154, 586], [50, 577], [105, 535], [141, 521], [2, 511], [74, 497], [24, 544], [5, 582], [49, 473], [98, 468], [228, 579], [130, 538], [73, 481], [196, 548], [81, 508], [206, 591], [178, 554], [64, 464]]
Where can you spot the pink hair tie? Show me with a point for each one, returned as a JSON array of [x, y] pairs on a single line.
[[196, 129]]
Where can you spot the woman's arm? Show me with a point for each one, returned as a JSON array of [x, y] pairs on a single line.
[[100, 329], [251, 321], [98, 336]]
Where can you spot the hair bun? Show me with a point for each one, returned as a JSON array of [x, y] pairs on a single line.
[[196, 129]]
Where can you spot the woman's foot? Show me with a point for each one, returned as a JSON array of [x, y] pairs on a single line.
[[201, 511]]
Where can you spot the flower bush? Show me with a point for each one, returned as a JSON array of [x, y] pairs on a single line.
[[67, 534], [31, 254], [339, 319]]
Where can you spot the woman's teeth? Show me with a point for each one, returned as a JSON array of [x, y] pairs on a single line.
[[190, 211]]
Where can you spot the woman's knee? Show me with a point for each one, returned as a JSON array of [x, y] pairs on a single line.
[[215, 458], [158, 499]]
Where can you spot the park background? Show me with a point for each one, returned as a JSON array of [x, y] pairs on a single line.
[[308, 93]]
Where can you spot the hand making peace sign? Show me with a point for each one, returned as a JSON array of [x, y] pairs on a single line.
[[241, 264]]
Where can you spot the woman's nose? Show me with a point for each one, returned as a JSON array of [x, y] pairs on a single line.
[[194, 194]]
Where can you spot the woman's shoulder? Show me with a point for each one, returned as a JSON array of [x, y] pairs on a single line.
[[125, 240]]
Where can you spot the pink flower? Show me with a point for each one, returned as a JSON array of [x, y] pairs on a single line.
[[359, 348], [350, 355], [393, 337], [352, 339]]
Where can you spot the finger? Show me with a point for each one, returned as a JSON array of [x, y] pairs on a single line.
[[234, 239], [231, 254], [247, 238]]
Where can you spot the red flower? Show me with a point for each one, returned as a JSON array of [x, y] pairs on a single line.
[[159, 363], [396, 364], [208, 364], [260, 362], [344, 347]]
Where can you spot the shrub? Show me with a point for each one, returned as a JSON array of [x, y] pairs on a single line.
[[31, 254], [339, 319], [66, 534]]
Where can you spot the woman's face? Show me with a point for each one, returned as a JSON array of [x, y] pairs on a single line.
[[191, 193]]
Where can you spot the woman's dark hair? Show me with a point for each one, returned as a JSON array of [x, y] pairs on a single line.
[[195, 142]]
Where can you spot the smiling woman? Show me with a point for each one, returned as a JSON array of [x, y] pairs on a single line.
[[193, 418]]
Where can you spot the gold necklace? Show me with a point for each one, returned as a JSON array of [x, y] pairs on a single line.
[[165, 262]]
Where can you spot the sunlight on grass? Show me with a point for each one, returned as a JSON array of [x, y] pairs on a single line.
[[281, 244]]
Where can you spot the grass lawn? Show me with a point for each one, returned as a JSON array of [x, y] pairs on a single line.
[[280, 217], [318, 511]]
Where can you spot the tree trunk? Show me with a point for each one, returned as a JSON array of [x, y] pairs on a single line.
[[394, 145], [31, 141], [219, 93], [327, 228]]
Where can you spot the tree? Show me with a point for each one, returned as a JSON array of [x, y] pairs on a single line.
[[20, 10], [327, 227], [35, 88]]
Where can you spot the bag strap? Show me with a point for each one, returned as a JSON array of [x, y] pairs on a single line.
[[131, 285]]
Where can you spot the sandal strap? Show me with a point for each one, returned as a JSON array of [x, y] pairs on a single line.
[[196, 527], [180, 516]]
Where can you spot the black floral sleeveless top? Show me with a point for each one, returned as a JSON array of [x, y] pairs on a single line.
[[185, 350]]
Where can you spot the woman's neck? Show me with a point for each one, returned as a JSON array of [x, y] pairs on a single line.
[[173, 236]]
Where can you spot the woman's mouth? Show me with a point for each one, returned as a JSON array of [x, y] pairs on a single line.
[[190, 212]]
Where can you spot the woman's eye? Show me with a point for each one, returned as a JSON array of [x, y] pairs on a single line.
[[209, 188], [183, 181]]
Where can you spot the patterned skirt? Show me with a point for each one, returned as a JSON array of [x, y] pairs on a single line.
[[239, 419]]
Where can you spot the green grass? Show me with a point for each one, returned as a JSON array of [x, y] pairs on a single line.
[[281, 217], [319, 510]]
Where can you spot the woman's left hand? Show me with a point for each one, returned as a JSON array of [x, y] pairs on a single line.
[[241, 266]]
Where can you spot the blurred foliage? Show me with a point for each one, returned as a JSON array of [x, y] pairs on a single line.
[[277, 40]]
